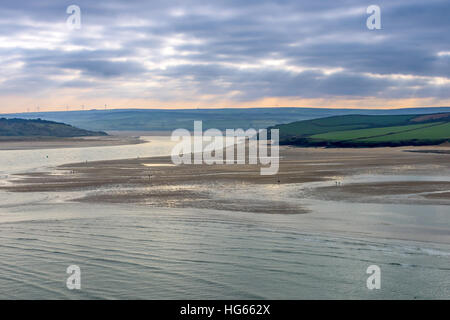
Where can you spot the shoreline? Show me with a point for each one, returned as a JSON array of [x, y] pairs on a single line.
[[73, 142]]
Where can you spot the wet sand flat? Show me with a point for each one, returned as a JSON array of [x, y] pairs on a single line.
[[406, 192], [155, 181]]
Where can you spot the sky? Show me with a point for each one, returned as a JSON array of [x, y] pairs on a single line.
[[223, 54]]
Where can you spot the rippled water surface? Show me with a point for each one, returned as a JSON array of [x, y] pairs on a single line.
[[128, 252]]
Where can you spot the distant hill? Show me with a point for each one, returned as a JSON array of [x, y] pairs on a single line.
[[368, 131], [41, 128], [168, 120]]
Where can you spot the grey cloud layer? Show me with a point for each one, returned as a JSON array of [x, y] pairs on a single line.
[[314, 49]]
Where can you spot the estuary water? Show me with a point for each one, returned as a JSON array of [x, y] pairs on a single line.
[[14, 161], [139, 252]]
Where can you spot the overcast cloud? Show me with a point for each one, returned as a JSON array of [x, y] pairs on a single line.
[[236, 51]]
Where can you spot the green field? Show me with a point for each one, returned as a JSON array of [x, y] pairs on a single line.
[[441, 131], [373, 133], [368, 131], [340, 123]]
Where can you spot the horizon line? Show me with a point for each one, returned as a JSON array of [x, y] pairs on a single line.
[[222, 108]]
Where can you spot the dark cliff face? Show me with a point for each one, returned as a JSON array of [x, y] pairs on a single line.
[[41, 128]]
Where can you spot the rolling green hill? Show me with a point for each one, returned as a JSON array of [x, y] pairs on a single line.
[[41, 128], [368, 131], [168, 120]]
